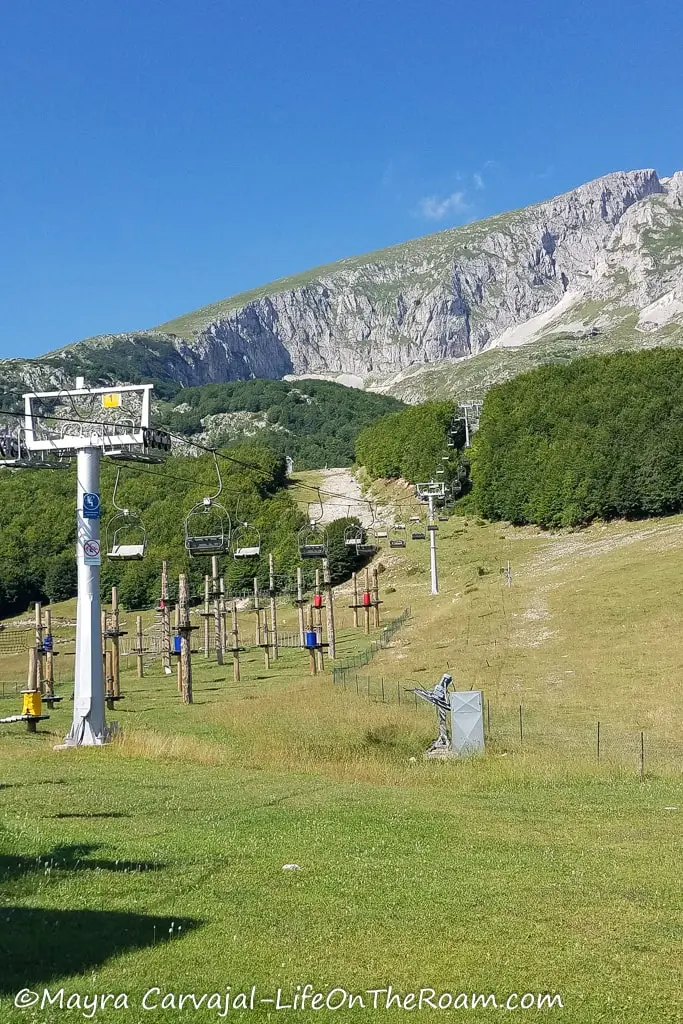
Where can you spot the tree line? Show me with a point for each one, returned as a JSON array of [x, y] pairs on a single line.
[[598, 438], [38, 528]]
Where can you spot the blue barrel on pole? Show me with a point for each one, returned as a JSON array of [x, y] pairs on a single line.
[[48, 643], [176, 643], [311, 638]]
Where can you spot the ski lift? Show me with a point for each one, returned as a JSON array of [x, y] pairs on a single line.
[[397, 538], [381, 534], [127, 532], [207, 524], [247, 542], [414, 519], [353, 536], [312, 539], [420, 533]]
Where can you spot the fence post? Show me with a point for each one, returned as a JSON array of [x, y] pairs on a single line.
[[215, 593]]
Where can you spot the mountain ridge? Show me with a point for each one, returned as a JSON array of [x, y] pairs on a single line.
[[602, 261]]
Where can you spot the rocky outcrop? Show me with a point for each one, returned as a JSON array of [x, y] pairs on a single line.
[[613, 244], [442, 297]]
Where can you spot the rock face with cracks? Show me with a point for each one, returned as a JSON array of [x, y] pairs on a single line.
[[582, 261]]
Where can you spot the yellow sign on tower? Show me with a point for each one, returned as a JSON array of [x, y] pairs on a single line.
[[111, 400]]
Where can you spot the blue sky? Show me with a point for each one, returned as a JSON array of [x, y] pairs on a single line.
[[157, 155]]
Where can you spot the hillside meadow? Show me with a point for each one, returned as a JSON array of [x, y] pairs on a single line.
[[157, 862]]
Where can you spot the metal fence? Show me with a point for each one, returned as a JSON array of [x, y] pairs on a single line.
[[347, 668]]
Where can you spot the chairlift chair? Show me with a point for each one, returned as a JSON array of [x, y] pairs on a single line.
[[397, 536], [312, 542], [414, 519], [312, 539], [207, 525], [247, 542], [353, 536], [126, 537]]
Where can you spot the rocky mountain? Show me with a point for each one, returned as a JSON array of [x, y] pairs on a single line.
[[596, 268]]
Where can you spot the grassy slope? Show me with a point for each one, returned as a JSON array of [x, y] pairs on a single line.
[[532, 869]]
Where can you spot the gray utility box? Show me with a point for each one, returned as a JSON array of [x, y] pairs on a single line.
[[467, 721]]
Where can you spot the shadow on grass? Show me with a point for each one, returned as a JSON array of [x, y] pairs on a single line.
[[73, 941], [73, 857]]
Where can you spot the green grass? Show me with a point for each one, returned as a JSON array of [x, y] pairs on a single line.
[[533, 869]]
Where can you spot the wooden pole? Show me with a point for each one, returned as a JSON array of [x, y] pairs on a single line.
[[215, 588], [300, 605], [39, 645], [185, 638], [375, 594], [138, 641], [165, 621], [312, 652], [207, 615], [103, 628], [331, 644], [32, 681], [264, 634], [109, 676], [224, 615], [235, 644], [366, 607], [115, 660], [176, 626], [273, 612], [257, 609], [271, 635], [49, 657], [355, 599]]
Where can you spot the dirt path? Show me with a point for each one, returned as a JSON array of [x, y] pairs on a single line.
[[344, 497]]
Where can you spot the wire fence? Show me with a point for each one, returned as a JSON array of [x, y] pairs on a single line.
[[342, 670]]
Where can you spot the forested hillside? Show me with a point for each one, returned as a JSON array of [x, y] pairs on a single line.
[[38, 519], [600, 437], [412, 444], [315, 422]]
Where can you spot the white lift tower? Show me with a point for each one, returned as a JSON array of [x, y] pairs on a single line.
[[113, 422]]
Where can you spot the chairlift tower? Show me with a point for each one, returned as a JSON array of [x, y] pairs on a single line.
[[430, 493], [119, 429]]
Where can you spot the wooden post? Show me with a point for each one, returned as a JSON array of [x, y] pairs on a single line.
[[216, 610], [39, 645], [185, 638], [355, 599], [176, 626], [264, 635], [273, 612], [115, 660], [103, 626], [207, 615], [331, 645], [32, 680], [138, 641], [109, 677], [165, 621], [312, 652], [235, 644], [375, 594], [366, 607], [257, 609], [300, 605], [224, 615], [49, 657], [271, 635]]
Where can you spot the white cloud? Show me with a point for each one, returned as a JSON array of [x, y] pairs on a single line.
[[438, 207], [478, 180]]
